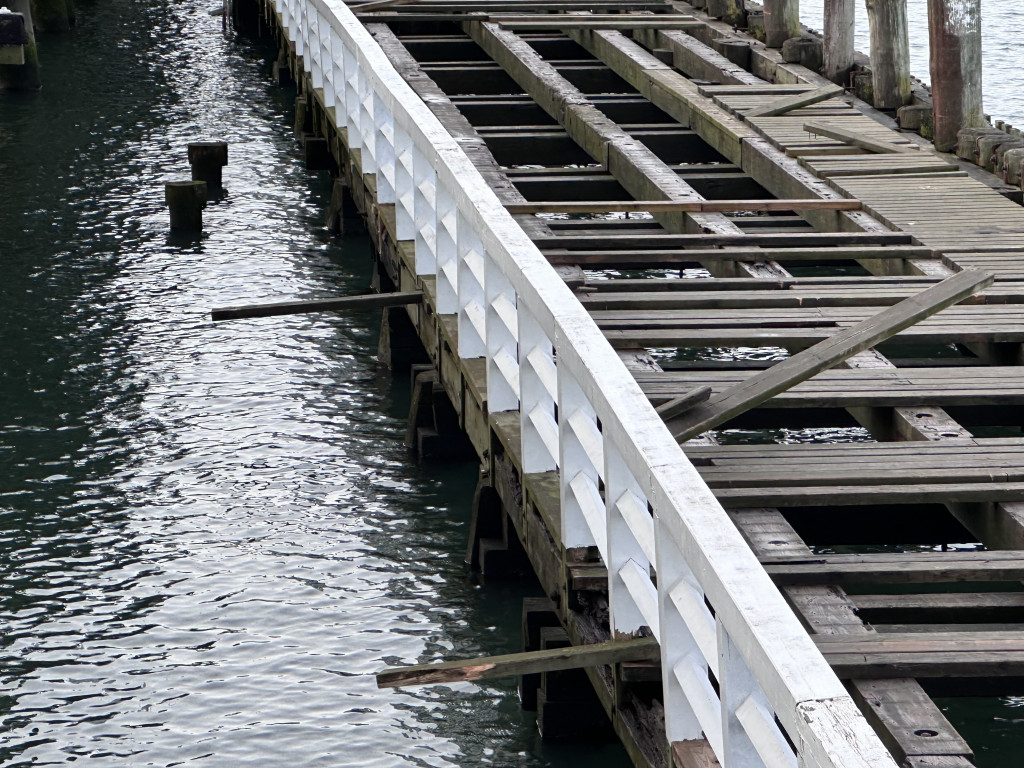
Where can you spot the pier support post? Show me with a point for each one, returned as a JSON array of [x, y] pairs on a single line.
[[954, 33], [890, 53], [729, 11], [343, 215], [186, 200], [781, 21], [207, 159], [54, 15], [840, 25], [22, 77]]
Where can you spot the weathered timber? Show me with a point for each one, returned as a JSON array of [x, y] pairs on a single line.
[[901, 568], [368, 301], [208, 159], [856, 140], [954, 34], [616, 240], [510, 665], [186, 200], [781, 21], [789, 103], [687, 206], [647, 259], [802, 366], [890, 53], [683, 403], [840, 23]]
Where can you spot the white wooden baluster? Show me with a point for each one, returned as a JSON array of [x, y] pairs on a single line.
[[384, 151], [538, 389], [404, 191], [630, 527], [744, 704], [691, 705], [580, 454], [425, 213], [472, 316], [447, 253], [353, 110], [313, 48], [502, 334], [327, 60], [367, 124]]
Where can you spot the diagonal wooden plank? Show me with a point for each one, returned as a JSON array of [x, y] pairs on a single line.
[[748, 394], [789, 103], [857, 140], [549, 660]]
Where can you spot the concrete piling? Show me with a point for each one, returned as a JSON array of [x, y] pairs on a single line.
[[954, 32], [186, 199], [208, 159]]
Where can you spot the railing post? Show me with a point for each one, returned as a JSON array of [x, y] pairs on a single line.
[[890, 53], [538, 392], [954, 34], [366, 123], [840, 26]]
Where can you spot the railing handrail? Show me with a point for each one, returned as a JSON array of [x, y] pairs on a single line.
[[810, 702]]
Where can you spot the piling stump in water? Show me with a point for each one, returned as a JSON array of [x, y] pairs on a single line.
[[54, 15], [186, 200], [342, 214], [23, 74], [207, 159]]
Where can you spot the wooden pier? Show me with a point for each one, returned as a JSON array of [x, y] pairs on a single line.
[[621, 213]]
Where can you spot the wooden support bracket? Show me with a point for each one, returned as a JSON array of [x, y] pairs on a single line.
[[550, 660], [751, 392], [368, 301]]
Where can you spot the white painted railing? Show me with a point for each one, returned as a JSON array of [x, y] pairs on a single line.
[[777, 703]]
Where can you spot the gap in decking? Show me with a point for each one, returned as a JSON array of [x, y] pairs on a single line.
[[848, 530]]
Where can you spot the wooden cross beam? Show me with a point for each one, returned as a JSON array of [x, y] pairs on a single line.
[[367, 301], [685, 206], [550, 660], [751, 392], [856, 140]]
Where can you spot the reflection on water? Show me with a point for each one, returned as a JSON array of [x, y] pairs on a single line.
[[211, 535]]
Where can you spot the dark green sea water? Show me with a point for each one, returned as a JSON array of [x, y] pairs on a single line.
[[210, 536]]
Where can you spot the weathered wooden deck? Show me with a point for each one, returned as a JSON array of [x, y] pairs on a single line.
[[565, 102]]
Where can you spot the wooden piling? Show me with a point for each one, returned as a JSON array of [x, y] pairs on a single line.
[[890, 53], [954, 32], [781, 21], [729, 11], [186, 200], [22, 76], [54, 15], [207, 159], [840, 25]]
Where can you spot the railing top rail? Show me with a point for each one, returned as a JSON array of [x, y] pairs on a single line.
[[791, 671]]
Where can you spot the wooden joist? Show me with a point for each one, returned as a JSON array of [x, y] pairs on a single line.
[[631, 240], [684, 206], [899, 568], [653, 258], [513, 664], [752, 392]]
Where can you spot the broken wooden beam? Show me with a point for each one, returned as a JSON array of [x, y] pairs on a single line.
[[796, 101], [682, 404], [684, 206], [857, 140], [512, 664], [367, 301], [751, 392]]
